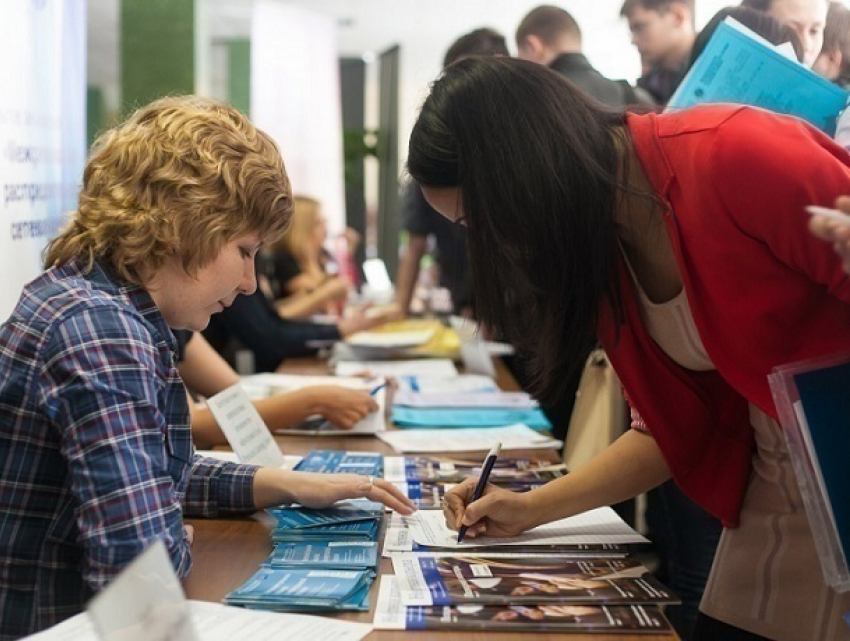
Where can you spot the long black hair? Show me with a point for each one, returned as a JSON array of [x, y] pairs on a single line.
[[538, 166]]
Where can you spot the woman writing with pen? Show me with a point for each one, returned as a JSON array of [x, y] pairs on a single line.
[[656, 234]]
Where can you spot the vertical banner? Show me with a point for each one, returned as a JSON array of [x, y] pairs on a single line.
[[295, 98], [42, 131]]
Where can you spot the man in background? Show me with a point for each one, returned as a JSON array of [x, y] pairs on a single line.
[[550, 36], [422, 222], [663, 32]]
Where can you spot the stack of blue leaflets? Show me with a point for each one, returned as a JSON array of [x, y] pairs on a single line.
[[339, 555], [358, 521], [322, 559], [289, 589], [335, 462]]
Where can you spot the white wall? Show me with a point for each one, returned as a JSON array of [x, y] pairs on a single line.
[[42, 131], [295, 98]]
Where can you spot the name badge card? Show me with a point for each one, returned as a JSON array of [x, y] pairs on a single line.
[[144, 603], [244, 429]]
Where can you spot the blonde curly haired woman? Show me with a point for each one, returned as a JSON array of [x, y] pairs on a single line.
[[95, 441], [296, 267]]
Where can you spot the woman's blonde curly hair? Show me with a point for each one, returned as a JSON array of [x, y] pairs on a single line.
[[182, 176]]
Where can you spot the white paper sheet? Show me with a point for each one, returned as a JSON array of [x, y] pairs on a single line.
[[244, 429], [512, 400], [290, 461], [315, 426], [391, 340], [390, 612], [421, 367], [145, 602], [217, 622], [512, 437], [602, 525]]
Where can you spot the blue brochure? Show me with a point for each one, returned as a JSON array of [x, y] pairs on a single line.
[[448, 580], [735, 67], [302, 517], [332, 462], [287, 589], [354, 531], [343, 555], [468, 417]]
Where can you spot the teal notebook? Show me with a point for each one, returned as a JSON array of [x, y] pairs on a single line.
[[468, 417], [737, 68]]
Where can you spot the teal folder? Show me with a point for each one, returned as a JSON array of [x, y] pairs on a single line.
[[468, 417], [735, 67]]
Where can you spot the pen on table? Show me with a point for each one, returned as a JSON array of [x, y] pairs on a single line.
[[377, 389], [482, 483]]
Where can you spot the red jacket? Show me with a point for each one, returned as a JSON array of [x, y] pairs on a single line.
[[734, 182]]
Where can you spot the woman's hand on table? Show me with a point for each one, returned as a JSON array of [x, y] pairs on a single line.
[[499, 512], [343, 406], [323, 490]]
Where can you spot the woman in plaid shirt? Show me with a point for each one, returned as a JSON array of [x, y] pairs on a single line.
[[96, 456]]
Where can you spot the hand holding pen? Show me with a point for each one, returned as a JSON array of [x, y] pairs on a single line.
[[498, 512], [482, 483]]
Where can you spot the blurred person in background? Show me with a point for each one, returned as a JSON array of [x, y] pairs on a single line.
[[663, 32], [421, 221], [806, 17]]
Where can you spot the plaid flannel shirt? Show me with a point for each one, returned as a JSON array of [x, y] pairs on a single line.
[[96, 455]]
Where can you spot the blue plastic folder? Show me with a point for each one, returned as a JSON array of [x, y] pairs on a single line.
[[471, 417], [813, 402], [735, 67], [303, 517]]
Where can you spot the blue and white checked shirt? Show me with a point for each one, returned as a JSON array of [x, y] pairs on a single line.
[[96, 456]]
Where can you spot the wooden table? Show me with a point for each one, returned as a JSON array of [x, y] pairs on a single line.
[[228, 551]]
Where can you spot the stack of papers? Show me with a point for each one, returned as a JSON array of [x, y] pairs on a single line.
[[568, 575], [437, 367], [430, 385], [426, 480], [513, 437], [459, 579], [429, 495], [456, 469], [216, 622], [426, 530], [392, 614], [265, 385], [407, 338], [469, 400]]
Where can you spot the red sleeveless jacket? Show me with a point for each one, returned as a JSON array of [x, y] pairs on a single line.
[[763, 292]]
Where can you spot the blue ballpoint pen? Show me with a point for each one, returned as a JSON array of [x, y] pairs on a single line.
[[482, 483], [377, 389]]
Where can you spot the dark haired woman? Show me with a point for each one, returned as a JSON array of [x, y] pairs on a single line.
[[680, 241]]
